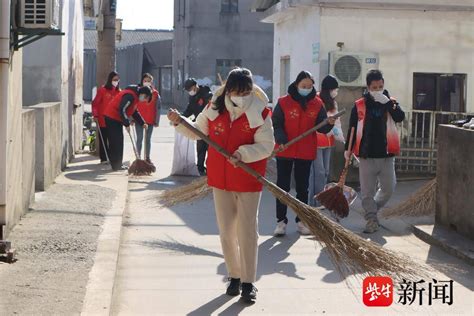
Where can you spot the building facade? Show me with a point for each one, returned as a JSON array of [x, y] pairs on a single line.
[[213, 37], [137, 52], [424, 48]]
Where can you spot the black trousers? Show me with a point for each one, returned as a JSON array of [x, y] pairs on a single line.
[[115, 137], [201, 148], [284, 170], [103, 145]]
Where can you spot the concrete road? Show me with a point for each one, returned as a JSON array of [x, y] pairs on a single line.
[[170, 260]]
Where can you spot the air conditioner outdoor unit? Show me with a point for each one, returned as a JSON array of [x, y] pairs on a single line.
[[39, 14], [350, 68]]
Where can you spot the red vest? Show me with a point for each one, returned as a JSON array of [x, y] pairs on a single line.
[[231, 135], [393, 139], [101, 100], [297, 122], [148, 109], [113, 108], [325, 140]]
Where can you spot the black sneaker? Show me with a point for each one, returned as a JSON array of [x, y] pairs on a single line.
[[249, 292], [202, 172], [234, 287]]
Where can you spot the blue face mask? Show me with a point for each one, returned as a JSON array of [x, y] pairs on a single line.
[[304, 92]]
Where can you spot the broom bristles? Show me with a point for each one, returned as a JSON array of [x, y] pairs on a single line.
[[350, 253], [334, 200], [141, 168], [198, 189], [195, 190], [421, 203]]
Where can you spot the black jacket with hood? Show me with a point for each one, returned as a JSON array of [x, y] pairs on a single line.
[[198, 102], [278, 116], [374, 139]]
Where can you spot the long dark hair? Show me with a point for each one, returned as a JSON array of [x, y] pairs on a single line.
[[146, 75], [108, 85], [293, 89], [303, 75], [239, 80], [329, 102]]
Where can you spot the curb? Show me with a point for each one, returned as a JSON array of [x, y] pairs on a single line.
[[100, 287], [454, 249]]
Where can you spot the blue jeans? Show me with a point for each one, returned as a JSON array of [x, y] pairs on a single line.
[[319, 173], [149, 131]]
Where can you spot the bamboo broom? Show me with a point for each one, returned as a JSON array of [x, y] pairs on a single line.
[[350, 253], [421, 203], [334, 199], [139, 167], [199, 189]]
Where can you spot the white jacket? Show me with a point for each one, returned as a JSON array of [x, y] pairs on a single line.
[[263, 139]]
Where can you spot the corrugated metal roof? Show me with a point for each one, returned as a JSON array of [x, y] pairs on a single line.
[[262, 5], [129, 37]]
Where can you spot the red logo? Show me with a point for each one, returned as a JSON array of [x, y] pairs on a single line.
[[201, 102], [312, 114], [377, 291], [246, 128], [219, 128], [294, 114]]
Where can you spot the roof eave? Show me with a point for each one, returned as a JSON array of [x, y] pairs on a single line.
[[284, 9]]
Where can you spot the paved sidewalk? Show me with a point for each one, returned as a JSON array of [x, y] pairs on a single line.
[[171, 262], [57, 241]]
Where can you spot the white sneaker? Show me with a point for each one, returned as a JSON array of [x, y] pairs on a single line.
[[372, 226], [302, 229], [280, 229], [469, 124]]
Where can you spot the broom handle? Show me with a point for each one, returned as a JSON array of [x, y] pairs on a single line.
[[223, 152], [342, 179], [133, 144], [102, 140], [145, 130], [308, 132]]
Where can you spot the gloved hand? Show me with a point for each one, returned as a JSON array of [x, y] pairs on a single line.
[[381, 98], [347, 155]]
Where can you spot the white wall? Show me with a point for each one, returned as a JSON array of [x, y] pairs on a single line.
[[13, 208], [295, 38], [407, 41]]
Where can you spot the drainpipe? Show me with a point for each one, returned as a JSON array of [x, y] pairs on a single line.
[[4, 74]]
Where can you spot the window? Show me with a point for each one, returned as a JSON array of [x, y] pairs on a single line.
[[229, 6], [284, 74], [439, 92], [224, 66]]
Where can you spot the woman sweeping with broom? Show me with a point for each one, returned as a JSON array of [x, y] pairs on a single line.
[[118, 114], [298, 111], [237, 119]]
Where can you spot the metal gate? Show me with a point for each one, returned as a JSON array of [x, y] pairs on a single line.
[[418, 140]]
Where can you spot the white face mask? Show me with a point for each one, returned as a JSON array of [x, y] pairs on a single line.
[[115, 83], [375, 93], [147, 84], [242, 102], [192, 93], [334, 93]]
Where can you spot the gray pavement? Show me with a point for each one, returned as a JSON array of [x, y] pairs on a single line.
[[170, 261], [59, 240]]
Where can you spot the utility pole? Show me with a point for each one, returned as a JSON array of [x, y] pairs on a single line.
[[105, 40]]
